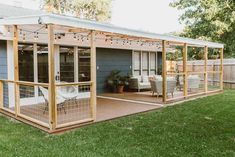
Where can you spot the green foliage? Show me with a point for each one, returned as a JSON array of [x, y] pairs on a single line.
[[99, 10], [115, 79], [209, 19]]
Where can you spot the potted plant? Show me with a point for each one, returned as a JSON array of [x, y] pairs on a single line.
[[116, 82]]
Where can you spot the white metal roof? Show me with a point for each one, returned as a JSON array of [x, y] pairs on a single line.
[[92, 25]]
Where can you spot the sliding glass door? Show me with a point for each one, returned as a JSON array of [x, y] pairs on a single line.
[[84, 64], [66, 64], [42, 55]]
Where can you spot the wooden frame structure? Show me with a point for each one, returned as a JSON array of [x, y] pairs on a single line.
[[94, 32]]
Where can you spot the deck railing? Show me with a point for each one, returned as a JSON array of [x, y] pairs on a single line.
[[29, 101]]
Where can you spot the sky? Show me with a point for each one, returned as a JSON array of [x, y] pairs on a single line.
[[147, 15]]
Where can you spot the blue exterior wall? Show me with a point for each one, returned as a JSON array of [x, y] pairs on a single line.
[[3, 59], [111, 59], [3, 69]]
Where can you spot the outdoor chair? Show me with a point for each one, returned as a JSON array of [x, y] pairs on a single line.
[[193, 82], [60, 101], [139, 82], [156, 87]]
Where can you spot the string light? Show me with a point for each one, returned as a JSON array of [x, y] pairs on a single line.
[[74, 36], [8, 30], [81, 37], [24, 37]]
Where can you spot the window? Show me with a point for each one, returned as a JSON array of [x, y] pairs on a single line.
[[153, 63], [136, 62], [42, 52], [26, 62], [67, 64], [26, 70], [144, 63], [84, 64]]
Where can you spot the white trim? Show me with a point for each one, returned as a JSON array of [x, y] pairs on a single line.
[[35, 67], [92, 25], [57, 60], [76, 79]]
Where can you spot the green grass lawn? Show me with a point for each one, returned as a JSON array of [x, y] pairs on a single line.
[[199, 128]]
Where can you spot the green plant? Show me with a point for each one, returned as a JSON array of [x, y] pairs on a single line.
[[115, 79]]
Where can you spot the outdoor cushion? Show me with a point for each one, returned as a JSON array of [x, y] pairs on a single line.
[[158, 77], [145, 79], [139, 78]]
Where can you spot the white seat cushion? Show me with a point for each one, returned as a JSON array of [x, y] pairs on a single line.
[[144, 83], [145, 79], [139, 78]]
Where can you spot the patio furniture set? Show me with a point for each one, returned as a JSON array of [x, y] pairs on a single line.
[[154, 83]]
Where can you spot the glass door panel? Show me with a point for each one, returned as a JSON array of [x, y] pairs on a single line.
[[84, 64], [42, 63], [67, 64]]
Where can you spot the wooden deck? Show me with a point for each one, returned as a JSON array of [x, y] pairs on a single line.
[[146, 96], [106, 109]]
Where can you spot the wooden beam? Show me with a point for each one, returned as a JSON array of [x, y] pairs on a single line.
[[93, 76], [221, 69], [205, 69], [185, 69], [16, 68], [51, 66], [164, 71]]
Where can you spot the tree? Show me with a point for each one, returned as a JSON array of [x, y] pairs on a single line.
[[209, 19], [57, 6], [99, 10]]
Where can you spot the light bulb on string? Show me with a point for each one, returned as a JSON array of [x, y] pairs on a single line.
[[74, 36], [23, 37], [111, 41], [8, 30]]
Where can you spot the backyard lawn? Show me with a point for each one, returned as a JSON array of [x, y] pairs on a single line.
[[203, 127]]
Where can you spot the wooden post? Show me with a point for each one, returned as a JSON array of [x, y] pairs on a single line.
[[221, 69], [93, 75], [164, 72], [1, 95], [51, 64], [205, 69], [35, 68], [185, 58], [16, 69], [76, 79]]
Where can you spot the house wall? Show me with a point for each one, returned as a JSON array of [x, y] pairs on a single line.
[[3, 59], [3, 69], [111, 59]]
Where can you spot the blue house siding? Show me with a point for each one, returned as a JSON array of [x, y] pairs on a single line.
[[3, 69], [3, 59], [111, 59]]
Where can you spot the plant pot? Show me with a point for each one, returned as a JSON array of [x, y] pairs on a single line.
[[120, 89]]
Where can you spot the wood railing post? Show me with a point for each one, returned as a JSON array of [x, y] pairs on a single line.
[[221, 69], [51, 65], [164, 71], [185, 58], [16, 69], [93, 76], [205, 69]]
